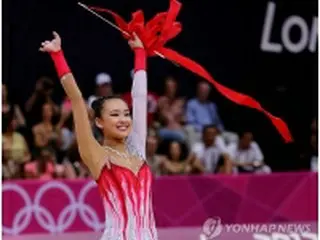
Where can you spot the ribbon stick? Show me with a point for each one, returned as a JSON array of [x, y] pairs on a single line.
[[164, 27], [119, 20]]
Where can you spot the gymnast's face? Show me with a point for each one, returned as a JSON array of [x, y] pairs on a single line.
[[115, 120]]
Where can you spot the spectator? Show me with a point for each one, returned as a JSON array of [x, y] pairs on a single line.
[[41, 95], [308, 160], [10, 169], [14, 146], [247, 156], [212, 151], [7, 108], [103, 87], [171, 113], [67, 133], [177, 161], [314, 145], [43, 167], [66, 104], [201, 112], [153, 158], [314, 153], [82, 170], [74, 167], [45, 133], [65, 126]]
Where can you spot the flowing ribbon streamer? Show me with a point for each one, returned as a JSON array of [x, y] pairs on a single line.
[[162, 28]]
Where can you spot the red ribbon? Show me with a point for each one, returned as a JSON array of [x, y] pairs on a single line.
[[163, 27]]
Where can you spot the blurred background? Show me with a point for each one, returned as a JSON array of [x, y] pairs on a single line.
[[265, 49]]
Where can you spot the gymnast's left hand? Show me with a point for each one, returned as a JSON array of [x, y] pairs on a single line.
[[135, 42], [51, 46]]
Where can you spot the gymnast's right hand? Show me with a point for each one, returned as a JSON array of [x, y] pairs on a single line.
[[51, 46]]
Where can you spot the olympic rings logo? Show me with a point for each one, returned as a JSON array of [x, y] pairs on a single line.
[[44, 217]]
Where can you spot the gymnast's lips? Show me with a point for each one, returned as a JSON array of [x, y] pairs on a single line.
[[123, 127]]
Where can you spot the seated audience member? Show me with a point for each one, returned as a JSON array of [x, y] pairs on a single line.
[[247, 156], [65, 130], [74, 167], [14, 144], [82, 170], [314, 153], [201, 112], [308, 159], [171, 113], [103, 87], [10, 169], [8, 108], [314, 145], [177, 161], [212, 151], [45, 133], [41, 95], [153, 159], [43, 167]]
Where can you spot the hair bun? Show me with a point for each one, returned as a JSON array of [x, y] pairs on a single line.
[[95, 104]]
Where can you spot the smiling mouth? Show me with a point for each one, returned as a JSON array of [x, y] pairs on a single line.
[[122, 128]]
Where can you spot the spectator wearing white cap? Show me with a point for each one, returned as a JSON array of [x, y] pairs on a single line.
[[103, 87]]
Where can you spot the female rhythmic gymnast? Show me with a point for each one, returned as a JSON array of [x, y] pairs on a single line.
[[123, 177]]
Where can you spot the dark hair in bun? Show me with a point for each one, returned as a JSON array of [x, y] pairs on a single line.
[[97, 105]]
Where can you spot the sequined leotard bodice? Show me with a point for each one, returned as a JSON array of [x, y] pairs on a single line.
[[126, 195], [127, 203]]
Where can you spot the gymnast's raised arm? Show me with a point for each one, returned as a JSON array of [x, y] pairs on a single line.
[[90, 151], [139, 97]]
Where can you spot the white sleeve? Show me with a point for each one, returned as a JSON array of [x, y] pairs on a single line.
[[220, 144], [139, 112], [232, 151], [197, 149], [258, 153]]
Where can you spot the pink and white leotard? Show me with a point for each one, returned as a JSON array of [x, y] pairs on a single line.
[[126, 195]]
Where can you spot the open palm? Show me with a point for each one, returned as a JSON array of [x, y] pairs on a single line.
[[51, 46]]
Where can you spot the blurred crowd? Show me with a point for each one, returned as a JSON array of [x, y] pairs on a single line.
[[185, 136]]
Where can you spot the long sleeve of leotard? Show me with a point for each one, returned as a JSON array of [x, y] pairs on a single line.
[[139, 103]]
